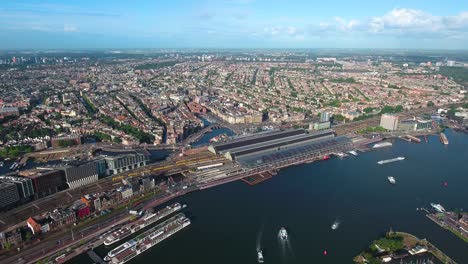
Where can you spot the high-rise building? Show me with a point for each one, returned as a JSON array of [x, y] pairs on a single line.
[[324, 117], [389, 122]]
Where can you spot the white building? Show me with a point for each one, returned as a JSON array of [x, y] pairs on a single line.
[[389, 122]]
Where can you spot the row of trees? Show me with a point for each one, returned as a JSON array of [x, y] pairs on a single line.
[[15, 151], [143, 137]]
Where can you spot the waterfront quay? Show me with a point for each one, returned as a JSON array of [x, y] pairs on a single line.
[[246, 156], [194, 170], [455, 222]]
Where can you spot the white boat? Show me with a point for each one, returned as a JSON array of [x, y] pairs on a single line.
[[260, 256], [283, 234], [147, 220], [391, 179], [382, 145], [390, 160], [1, 163], [353, 152], [439, 208], [121, 248], [335, 225], [150, 238]]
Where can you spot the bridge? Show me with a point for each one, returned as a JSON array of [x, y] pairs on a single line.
[[196, 136]]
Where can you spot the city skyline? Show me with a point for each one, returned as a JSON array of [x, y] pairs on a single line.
[[233, 24]]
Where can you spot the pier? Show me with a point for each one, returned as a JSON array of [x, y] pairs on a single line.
[[258, 178], [95, 257]]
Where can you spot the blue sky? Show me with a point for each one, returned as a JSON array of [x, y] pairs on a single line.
[[413, 24]]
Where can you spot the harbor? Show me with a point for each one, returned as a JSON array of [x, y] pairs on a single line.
[[282, 200]]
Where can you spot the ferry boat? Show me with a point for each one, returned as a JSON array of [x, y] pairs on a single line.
[[391, 179], [443, 139], [382, 145], [439, 208], [283, 234], [150, 238], [390, 160], [260, 256], [147, 220]]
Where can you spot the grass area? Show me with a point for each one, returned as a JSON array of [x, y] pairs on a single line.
[[372, 130], [394, 241], [390, 243]]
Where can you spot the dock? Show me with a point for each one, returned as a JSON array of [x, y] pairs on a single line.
[[411, 138], [95, 257], [258, 178]]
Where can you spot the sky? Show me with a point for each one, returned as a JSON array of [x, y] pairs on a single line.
[[380, 24]]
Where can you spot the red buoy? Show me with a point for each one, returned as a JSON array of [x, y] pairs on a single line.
[[325, 253]]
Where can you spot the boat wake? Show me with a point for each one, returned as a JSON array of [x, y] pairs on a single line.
[[336, 224], [259, 238]]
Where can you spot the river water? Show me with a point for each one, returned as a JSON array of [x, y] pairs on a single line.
[[230, 221]]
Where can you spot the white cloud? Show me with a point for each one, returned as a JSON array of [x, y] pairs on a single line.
[[408, 21], [282, 31], [399, 21], [70, 28]]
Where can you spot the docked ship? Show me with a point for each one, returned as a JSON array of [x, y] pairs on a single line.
[[326, 157], [283, 234], [118, 250], [147, 240], [390, 160], [147, 220], [382, 145], [439, 208], [391, 179], [353, 152], [443, 138], [260, 256]]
